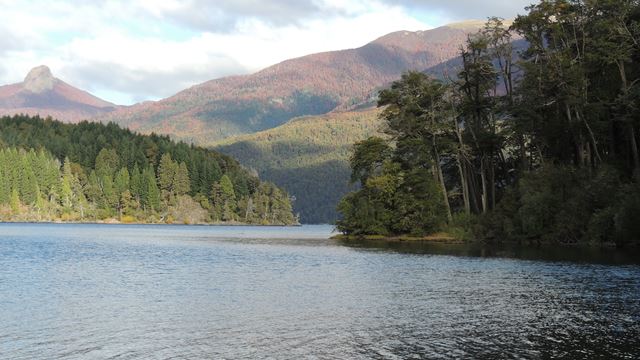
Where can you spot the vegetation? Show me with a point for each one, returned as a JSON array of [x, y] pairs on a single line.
[[309, 157], [543, 149], [52, 171]]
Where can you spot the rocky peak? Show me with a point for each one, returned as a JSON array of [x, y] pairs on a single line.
[[39, 80]]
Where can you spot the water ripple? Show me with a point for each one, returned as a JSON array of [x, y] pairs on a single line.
[[78, 292]]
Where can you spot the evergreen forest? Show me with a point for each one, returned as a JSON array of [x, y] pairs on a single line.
[[51, 171], [539, 146]]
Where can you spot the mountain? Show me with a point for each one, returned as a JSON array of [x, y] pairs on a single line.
[[311, 85], [308, 156], [42, 94]]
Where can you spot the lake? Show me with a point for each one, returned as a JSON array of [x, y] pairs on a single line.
[[195, 292]]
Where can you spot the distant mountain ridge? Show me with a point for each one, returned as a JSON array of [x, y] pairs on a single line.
[[42, 94], [310, 85]]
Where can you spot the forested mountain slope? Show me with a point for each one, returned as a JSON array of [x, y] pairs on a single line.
[[308, 156], [87, 171]]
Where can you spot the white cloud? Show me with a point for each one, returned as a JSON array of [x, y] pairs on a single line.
[[129, 51]]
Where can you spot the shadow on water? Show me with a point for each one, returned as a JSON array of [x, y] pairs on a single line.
[[595, 255]]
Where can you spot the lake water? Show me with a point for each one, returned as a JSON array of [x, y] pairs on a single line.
[[161, 292]]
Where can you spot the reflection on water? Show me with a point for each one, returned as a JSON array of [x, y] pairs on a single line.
[[594, 255], [149, 292]]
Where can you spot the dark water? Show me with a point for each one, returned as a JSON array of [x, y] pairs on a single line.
[[154, 292]]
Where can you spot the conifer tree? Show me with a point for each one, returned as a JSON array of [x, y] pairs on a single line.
[[152, 192], [28, 182], [166, 173], [136, 183], [15, 202], [67, 186], [181, 181]]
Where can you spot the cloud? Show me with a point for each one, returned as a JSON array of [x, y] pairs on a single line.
[[466, 9], [226, 15], [131, 84], [131, 50], [8, 41]]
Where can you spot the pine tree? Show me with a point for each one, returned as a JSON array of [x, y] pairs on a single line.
[[136, 183], [152, 192], [121, 181], [166, 173], [15, 202], [181, 181], [66, 193], [5, 186], [28, 183], [227, 199], [106, 163]]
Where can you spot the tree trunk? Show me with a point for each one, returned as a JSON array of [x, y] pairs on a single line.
[[465, 186], [474, 195], [631, 130], [441, 180], [591, 135], [524, 160], [492, 182], [483, 179], [463, 177], [634, 151]]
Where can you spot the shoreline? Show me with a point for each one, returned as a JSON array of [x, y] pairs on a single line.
[[442, 238], [117, 222], [437, 238]]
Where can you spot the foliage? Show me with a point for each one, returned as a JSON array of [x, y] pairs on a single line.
[[69, 178], [309, 157], [543, 149], [392, 200]]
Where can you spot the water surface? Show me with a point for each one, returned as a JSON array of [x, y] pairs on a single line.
[[160, 292]]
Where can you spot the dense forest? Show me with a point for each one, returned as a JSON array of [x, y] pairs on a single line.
[[539, 147], [308, 157], [50, 171]]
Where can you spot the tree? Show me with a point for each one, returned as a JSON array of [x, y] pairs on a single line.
[[121, 189], [152, 192], [417, 120], [136, 183], [15, 202], [67, 194], [28, 182], [100, 174], [224, 198], [368, 157], [166, 173], [106, 163], [181, 181]]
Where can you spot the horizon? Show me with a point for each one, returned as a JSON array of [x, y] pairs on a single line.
[[160, 48]]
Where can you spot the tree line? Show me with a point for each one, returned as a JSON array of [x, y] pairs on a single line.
[[540, 146], [89, 172]]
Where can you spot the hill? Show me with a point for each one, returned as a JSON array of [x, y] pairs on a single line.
[[311, 85], [42, 94], [308, 156], [91, 172]]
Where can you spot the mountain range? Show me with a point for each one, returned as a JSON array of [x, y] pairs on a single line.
[[293, 122], [310, 85]]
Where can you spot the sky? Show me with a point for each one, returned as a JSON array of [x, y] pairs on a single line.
[[127, 51]]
